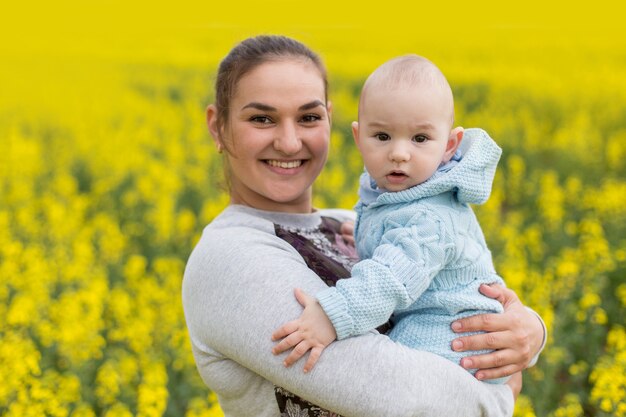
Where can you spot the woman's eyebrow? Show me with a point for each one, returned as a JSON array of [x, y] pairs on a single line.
[[311, 105], [258, 106], [266, 107]]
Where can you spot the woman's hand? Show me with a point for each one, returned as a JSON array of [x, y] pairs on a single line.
[[515, 336], [347, 232]]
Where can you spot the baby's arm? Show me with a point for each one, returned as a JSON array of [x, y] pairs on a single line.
[[311, 331], [399, 271]]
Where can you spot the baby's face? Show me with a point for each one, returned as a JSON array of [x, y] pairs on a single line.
[[403, 134]]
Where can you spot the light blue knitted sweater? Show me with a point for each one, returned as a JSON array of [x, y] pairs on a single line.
[[423, 255]]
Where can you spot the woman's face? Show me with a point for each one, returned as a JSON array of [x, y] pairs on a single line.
[[277, 136]]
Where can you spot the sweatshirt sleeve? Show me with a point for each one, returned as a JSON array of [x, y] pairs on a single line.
[[399, 271], [238, 288]]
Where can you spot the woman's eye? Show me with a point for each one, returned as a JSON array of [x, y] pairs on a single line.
[[310, 118], [420, 138], [382, 136], [261, 119]]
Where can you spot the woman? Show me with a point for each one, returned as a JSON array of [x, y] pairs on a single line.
[[272, 120]]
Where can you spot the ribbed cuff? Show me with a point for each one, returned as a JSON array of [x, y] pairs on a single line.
[[535, 358], [335, 307]]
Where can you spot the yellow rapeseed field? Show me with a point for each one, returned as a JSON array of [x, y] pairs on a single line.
[[107, 176]]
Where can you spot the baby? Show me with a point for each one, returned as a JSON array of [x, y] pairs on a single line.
[[423, 254]]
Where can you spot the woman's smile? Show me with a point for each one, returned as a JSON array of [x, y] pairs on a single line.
[[284, 165]]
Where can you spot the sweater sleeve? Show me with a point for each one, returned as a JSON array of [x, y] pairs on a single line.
[[238, 288], [399, 271]]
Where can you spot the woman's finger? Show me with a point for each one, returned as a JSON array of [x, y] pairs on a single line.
[[347, 232], [482, 323], [285, 330], [347, 228], [508, 358], [484, 341], [494, 373], [496, 292]]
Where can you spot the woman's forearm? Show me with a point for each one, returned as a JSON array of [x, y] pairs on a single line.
[[233, 302]]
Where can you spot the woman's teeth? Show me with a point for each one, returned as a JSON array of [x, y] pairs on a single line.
[[284, 164]]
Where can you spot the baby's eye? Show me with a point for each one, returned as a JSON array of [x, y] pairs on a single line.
[[382, 137], [420, 138], [264, 120]]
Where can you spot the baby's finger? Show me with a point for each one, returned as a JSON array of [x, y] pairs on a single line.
[[285, 330], [508, 358], [303, 298], [313, 357], [299, 351], [287, 343]]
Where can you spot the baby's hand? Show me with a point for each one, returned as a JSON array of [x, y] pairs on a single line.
[[311, 331]]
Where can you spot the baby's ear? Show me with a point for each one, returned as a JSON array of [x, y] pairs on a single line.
[[355, 132], [454, 140]]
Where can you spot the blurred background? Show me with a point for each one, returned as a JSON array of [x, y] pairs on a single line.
[[108, 175]]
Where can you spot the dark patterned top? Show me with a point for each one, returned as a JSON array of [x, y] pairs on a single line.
[[329, 256], [323, 249]]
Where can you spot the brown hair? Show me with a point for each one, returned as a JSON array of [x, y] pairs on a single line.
[[248, 55]]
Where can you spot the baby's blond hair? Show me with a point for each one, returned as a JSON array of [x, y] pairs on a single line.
[[408, 70]]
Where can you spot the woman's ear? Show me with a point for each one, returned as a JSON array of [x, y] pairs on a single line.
[[329, 110], [454, 140], [211, 121]]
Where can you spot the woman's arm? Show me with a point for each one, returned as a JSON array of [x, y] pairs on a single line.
[[235, 296], [518, 335]]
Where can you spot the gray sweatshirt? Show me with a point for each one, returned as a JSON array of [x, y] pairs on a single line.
[[238, 288]]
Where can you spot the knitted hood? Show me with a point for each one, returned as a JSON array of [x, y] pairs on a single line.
[[469, 174]]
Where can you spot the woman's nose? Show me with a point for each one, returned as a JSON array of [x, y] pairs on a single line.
[[287, 140]]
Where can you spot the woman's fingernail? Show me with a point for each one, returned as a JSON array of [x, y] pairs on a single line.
[[480, 376], [456, 326], [457, 345], [466, 363]]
